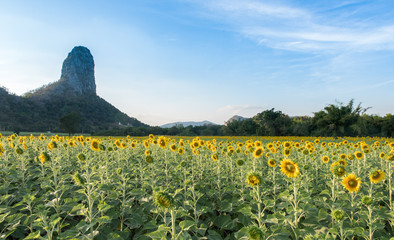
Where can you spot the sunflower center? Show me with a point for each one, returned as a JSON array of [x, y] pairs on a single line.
[[290, 167], [352, 183], [376, 175]]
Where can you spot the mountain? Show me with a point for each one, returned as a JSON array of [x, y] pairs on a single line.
[[186, 124], [75, 91], [236, 118]]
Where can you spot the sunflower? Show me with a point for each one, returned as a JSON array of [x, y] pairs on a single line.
[[359, 155], [95, 145], [173, 147], [1, 149], [162, 142], [81, 157], [253, 179], [272, 163], [342, 156], [164, 200], [240, 162], [117, 143], [214, 157], [287, 152], [289, 168], [255, 233], [148, 152], [44, 157], [258, 152], [376, 176], [339, 170], [133, 145], [337, 215], [180, 151], [352, 183], [146, 144], [149, 159], [381, 155], [258, 144], [286, 144], [195, 144], [325, 159], [342, 162], [52, 145]]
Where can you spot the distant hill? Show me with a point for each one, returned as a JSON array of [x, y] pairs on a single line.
[[236, 118], [41, 109], [186, 124]]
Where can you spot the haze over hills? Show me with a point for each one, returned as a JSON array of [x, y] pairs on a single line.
[[41, 109], [186, 124]]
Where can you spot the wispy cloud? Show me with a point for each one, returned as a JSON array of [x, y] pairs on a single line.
[[284, 26], [243, 110]]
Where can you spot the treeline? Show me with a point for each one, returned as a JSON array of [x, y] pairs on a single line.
[[334, 120]]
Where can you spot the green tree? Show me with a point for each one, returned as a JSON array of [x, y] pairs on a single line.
[[272, 123], [337, 120], [70, 122]]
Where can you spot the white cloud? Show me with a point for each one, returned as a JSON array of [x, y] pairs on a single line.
[[301, 29], [242, 110]]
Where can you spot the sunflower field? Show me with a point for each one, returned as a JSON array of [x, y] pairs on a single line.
[[196, 188]]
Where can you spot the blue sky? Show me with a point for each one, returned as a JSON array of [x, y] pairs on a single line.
[[193, 60]]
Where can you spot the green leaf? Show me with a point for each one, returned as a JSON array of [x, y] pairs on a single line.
[[186, 225], [3, 217], [33, 235], [103, 207], [55, 221], [246, 210], [224, 222], [134, 221], [213, 235]]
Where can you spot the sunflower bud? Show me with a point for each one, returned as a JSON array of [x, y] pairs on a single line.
[[164, 200], [18, 150], [337, 215], [81, 157], [366, 200], [149, 159], [255, 233], [240, 162], [78, 179]]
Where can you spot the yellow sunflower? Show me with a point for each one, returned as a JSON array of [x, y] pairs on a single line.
[[147, 152], [214, 157], [180, 151], [359, 155], [381, 155], [272, 163], [173, 147], [352, 183], [289, 168], [95, 145], [162, 142], [325, 159], [253, 179], [376, 176], [258, 152], [342, 162]]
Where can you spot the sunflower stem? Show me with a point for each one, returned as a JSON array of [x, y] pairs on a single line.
[[173, 232], [295, 203]]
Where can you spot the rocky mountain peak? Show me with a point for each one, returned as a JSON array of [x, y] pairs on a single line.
[[78, 71]]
